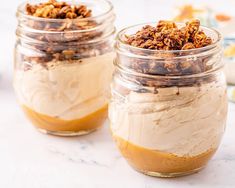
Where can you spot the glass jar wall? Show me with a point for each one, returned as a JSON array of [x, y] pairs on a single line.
[[168, 108], [63, 68]]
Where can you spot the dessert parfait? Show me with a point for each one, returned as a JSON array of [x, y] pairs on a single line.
[[64, 64], [168, 108]]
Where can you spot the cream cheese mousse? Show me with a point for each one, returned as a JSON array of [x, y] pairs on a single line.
[[168, 109], [64, 64]]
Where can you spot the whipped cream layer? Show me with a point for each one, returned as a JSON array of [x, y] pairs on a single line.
[[66, 90], [184, 121]]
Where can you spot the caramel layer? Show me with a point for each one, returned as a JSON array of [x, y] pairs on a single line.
[[90, 122], [147, 160]]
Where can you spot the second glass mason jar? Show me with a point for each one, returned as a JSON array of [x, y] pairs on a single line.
[[168, 108], [63, 68]]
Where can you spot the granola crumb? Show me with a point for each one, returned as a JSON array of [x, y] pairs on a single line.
[[187, 46]]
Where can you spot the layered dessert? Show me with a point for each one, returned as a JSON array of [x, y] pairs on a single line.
[[167, 116], [62, 79], [66, 96]]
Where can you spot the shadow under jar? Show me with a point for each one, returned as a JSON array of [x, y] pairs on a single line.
[[63, 68], [168, 108]]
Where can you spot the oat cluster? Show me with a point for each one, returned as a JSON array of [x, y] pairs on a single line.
[[58, 10], [167, 36]]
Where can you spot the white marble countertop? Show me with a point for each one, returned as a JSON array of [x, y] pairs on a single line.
[[29, 159]]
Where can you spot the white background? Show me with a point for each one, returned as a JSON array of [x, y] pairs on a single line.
[[29, 159]]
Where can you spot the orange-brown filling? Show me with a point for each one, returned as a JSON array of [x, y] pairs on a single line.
[[90, 122], [147, 160]]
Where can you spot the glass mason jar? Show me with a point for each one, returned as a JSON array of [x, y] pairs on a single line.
[[63, 68], [168, 108]]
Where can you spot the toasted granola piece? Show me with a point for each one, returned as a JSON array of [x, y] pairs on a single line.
[[188, 46], [165, 25], [193, 26], [200, 40]]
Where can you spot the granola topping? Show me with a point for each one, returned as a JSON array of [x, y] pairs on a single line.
[[167, 36], [71, 14], [58, 10]]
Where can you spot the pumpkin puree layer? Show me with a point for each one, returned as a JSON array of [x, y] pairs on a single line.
[[87, 123], [147, 160]]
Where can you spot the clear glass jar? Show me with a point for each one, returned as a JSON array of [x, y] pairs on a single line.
[[168, 108], [63, 68]]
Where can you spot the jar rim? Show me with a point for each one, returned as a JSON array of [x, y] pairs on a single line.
[[21, 12], [121, 33]]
